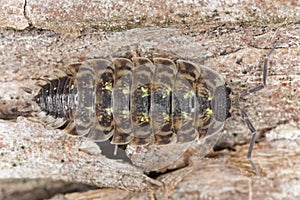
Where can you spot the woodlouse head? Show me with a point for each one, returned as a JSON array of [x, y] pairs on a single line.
[[221, 104]]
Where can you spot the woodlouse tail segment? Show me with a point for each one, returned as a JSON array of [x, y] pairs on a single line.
[[53, 99], [32, 107], [244, 114]]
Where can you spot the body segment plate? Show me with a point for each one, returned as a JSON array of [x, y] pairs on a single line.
[[153, 104]]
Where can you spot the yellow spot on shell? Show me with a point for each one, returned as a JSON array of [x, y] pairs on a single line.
[[108, 86], [168, 90], [187, 95], [209, 111], [89, 108], [125, 112], [108, 110], [186, 116], [145, 118], [125, 91], [145, 92], [166, 117]]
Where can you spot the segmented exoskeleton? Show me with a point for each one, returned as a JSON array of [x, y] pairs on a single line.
[[139, 101]]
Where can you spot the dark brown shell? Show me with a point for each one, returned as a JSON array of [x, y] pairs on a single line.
[[135, 101]]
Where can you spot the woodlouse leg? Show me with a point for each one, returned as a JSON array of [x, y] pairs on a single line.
[[265, 73], [243, 113], [252, 141]]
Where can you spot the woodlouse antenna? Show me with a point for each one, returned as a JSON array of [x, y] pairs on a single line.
[[244, 114]]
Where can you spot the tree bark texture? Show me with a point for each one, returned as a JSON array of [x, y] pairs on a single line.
[[232, 38]]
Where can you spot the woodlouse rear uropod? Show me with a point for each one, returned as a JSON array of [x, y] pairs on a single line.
[[138, 101]]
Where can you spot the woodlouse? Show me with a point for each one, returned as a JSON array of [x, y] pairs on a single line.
[[139, 101]]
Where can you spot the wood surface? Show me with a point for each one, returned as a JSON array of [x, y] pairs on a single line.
[[232, 38]]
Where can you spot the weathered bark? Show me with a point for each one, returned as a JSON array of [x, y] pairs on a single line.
[[35, 189], [232, 38]]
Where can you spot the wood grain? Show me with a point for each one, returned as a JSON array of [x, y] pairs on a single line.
[[231, 38]]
